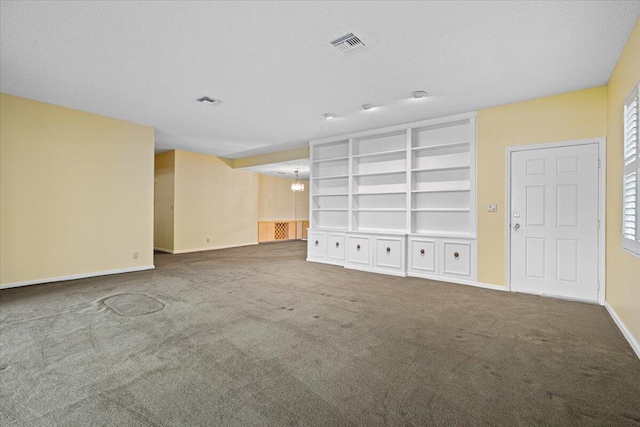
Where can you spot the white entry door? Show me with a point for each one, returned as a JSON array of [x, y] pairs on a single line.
[[554, 222]]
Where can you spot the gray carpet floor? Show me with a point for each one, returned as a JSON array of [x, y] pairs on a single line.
[[257, 336]]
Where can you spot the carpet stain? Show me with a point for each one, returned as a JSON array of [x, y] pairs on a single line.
[[632, 417], [133, 304]]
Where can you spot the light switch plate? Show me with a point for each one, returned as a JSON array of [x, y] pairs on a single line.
[[492, 208]]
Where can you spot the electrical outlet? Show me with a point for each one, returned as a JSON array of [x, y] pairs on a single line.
[[135, 255], [492, 208]]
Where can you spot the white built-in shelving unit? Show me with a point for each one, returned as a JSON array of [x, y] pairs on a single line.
[[398, 200]]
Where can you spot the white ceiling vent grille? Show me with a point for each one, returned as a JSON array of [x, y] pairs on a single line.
[[347, 44]]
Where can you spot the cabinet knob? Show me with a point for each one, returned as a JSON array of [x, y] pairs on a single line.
[[316, 243], [357, 247], [421, 252], [456, 255], [337, 244], [388, 250]]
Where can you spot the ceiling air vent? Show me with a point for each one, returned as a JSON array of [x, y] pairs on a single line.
[[347, 44], [207, 100]]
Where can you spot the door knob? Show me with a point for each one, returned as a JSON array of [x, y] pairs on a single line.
[[516, 227]]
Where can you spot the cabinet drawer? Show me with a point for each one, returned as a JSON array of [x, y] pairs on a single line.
[[335, 244], [456, 258], [316, 245], [389, 253], [358, 250], [423, 256]]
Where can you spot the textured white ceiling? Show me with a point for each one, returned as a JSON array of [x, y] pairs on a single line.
[[272, 65]]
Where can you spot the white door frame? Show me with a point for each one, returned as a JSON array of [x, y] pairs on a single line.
[[602, 184]]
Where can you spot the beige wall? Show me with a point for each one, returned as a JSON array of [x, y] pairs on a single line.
[[76, 194], [276, 201], [570, 116], [623, 269], [163, 201], [213, 201]]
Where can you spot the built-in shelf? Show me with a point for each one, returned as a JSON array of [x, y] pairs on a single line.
[[380, 173], [379, 210], [379, 193], [436, 146], [331, 228], [326, 195], [410, 208], [317, 178], [379, 153], [440, 233], [333, 159], [442, 190], [440, 168], [388, 231], [441, 210]]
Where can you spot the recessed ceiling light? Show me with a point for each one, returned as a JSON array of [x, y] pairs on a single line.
[[368, 106], [329, 116], [419, 94], [208, 100]]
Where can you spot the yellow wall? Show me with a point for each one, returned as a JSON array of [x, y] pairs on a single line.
[[213, 201], [570, 116], [76, 193], [623, 270], [163, 201], [276, 201]]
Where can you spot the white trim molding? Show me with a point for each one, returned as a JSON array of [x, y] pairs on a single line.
[[76, 276], [169, 251], [212, 248], [633, 342]]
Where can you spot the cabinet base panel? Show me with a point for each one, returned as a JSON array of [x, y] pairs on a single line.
[[373, 270], [324, 261]]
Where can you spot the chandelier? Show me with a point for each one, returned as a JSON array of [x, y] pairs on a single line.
[[297, 185]]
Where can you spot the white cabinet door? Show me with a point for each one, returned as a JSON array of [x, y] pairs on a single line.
[[422, 256], [389, 254], [316, 245], [554, 222], [457, 259], [335, 246], [359, 251]]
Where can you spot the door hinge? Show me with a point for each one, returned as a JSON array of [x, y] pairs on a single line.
[[598, 224], [598, 163], [598, 284]]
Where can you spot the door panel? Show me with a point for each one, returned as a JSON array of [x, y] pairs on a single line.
[[554, 221], [535, 257]]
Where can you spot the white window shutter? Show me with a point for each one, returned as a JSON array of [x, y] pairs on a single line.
[[631, 174]]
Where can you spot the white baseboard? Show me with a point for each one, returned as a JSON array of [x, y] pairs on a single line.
[[623, 328], [457, 281], [76, 276], [212, 248], [168, 251]]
